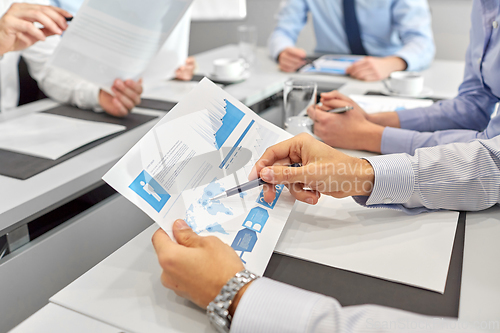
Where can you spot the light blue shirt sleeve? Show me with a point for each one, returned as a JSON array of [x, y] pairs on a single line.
[[461, 119], [291, 21], [412, 21], [459, 176]]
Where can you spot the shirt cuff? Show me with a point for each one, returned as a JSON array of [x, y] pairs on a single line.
[[411, 59], [394, 179], [277, 45], [397, 140], [270, 306]]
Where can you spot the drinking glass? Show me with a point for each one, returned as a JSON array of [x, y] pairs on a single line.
[[298, 96], [247, 36]]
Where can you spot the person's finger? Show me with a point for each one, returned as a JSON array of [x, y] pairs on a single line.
[[124, 100], [161, 241], [297, 52], [26, 28], [307, 196], [334, 94], [269, 193], [43, 19], [283, 175], [185, 235], [135, 86], [26, 39], [132, 97], [56, 16], [334, 103], [289, 65], [287, 149], [119, 109]]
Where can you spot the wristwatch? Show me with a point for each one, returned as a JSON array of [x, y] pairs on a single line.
[[217, 310]]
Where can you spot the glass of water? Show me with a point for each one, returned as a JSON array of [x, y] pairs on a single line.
[[298, 96], [247, 36]]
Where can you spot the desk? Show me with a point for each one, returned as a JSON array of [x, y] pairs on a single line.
[[137, 260]]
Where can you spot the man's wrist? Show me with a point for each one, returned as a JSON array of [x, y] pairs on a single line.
[[237, 298], [386, 119], [371, 138], [397, 63]]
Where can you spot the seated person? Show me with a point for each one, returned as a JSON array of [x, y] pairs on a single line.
[[19, 36], [395, 35], [198, 267], [461, 119]]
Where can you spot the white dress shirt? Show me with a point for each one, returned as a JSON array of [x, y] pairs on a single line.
[[459, 176]]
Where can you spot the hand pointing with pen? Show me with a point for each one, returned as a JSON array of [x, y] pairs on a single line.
[[324, 170]]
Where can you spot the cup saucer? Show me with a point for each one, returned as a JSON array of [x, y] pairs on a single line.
[[229, 80], [425, 93]]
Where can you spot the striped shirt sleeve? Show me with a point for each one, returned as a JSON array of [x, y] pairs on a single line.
[[459, 176], [270, 306]]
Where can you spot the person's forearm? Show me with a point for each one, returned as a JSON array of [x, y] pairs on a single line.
[[386, 119]]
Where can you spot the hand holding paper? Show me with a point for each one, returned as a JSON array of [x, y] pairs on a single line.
[[127, 94]]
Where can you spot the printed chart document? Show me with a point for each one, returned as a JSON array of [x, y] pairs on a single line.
[[207, 144], [51, 136], [330, 64], [374, 104], [116, 39]]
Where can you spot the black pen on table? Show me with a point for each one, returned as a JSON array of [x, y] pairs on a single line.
[[247, 186]]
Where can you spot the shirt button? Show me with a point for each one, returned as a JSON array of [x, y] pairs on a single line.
[[387, 201], [495, 24]]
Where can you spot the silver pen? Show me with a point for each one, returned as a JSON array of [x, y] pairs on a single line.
[[340, 110], [247, 186]]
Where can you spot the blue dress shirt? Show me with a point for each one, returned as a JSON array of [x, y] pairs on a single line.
[[70, 6], [467, 116], [388, 27]]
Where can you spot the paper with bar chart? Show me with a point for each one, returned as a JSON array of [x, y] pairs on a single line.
[[207, 144]]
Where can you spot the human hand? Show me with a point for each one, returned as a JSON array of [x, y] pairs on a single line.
[[375, 69], [127, 96], [349, 130], [186, 71], [18, 32], [197, 267], [291, 59], [324, 170]]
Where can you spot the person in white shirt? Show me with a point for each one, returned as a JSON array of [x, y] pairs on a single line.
[[460, 176], [20, 37]]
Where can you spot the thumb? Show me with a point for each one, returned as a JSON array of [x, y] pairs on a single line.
[[283, 175], [184, 235]]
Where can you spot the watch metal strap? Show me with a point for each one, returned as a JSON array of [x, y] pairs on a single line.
[[217, 310]]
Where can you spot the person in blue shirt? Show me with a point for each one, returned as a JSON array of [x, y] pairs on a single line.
[[466, 117], [396, 35]]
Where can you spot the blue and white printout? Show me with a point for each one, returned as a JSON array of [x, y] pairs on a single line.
[[207, 144]]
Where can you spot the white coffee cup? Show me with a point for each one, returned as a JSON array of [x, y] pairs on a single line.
[[406, 83], [229, 68]]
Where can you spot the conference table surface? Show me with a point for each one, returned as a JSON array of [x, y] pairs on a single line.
[[480, 287]]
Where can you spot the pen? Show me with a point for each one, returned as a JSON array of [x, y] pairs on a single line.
[[69, 19], [247, 186], [340, 110]]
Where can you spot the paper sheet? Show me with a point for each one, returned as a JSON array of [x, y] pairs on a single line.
[[51, 136], [116, 39], [414, 250], [331, 64], [207, 144], [374, 104]]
